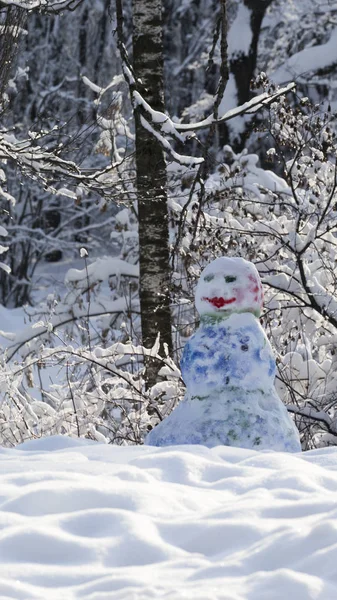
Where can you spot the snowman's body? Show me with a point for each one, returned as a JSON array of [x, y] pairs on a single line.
[[229, 370]]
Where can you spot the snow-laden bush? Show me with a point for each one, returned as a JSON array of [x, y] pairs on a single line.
[[101, 394], [64, 373], [283, 219], [285, 224]]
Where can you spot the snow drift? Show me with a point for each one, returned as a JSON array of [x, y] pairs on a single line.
[[91, 521]]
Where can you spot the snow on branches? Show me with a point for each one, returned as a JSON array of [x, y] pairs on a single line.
[[45, 6]]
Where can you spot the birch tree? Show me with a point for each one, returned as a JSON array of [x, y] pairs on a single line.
[[151, 176]]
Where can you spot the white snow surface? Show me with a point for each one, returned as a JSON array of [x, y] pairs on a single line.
[[310, 59], [92, 521], [100, 270], [240, 34]]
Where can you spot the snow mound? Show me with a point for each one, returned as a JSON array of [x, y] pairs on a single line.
[[97, 522]]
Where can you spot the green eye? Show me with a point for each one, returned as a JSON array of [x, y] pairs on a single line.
[[230, 278], [208, 277]]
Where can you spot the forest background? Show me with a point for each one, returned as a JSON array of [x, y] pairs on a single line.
[[140, 140]]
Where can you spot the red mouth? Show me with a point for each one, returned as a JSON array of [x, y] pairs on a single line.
[[219, 302]]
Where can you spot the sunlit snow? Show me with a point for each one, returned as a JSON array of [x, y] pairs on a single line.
[[85, 520], [310, 59]]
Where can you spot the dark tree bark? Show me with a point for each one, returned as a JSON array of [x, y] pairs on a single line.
[[151, 179], [12, 19], [243, 65], [82, 61]]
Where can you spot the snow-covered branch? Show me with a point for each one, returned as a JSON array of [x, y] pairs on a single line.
[[315, 415], [316, 58], [74, 308], [252, 106], [163, 122], [47, 166], [63, 317], [45, 6]]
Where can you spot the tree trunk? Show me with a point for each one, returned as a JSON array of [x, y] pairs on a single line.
[[12, 19], [151, 180], [242, 64]]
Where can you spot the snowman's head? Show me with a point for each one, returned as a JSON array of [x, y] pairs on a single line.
[[229, 285]]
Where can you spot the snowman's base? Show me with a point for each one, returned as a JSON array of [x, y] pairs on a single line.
[[235, 417]]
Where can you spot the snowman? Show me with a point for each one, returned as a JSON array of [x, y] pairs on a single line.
[[229, 370]]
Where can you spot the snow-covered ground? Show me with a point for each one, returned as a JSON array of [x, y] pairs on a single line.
[[85, 520]]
